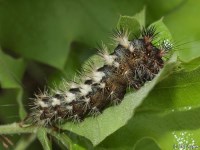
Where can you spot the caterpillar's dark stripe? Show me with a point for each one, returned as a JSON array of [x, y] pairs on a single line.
[[131, 64]]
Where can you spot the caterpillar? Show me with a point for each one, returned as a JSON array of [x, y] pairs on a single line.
[[131, 64]]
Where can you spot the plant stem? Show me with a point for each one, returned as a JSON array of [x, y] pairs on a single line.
[[15, 128]]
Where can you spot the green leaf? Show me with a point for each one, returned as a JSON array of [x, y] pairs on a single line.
[[11, 73], [180, 91], [185, 29], [162, 30], [132, 24], [146, 143], [24, 142], [64, 140], [141, 17], [44, 31], [43, 138], [170, 110], [165, 8], [191, 65], [106, 123]]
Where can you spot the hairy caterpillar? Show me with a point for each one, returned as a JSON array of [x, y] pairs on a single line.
[[131, 64]]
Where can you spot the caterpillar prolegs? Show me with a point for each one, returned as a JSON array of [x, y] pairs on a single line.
[[131, 64]]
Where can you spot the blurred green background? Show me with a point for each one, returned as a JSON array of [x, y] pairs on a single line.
[[44, 41]]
